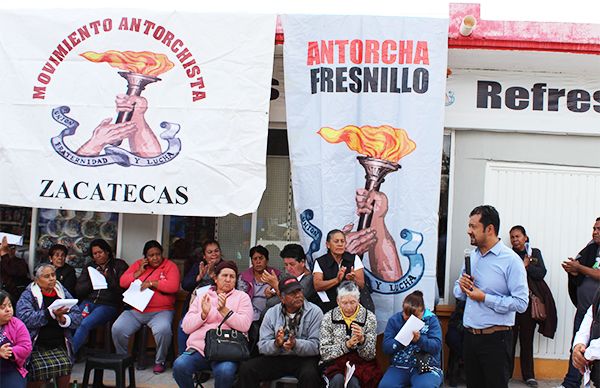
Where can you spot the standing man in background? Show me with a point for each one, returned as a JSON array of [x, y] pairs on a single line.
[[494, 291], [584, 279]]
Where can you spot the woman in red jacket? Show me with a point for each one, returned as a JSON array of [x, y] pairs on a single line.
[[161, 276]]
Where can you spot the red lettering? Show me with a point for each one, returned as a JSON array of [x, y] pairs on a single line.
[[356, 51], [313, 57], [39, 92], [386, 47], [422, 53], [341, 50], [372, 51], [327, 51], [405, 49]]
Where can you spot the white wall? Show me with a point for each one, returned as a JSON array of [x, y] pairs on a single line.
[[475, 149]]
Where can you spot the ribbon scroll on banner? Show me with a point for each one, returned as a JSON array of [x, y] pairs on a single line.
[[99, 94], [365, 105]]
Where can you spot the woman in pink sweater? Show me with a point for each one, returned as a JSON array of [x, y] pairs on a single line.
[[206, 312], [160, 275], [15, 346]]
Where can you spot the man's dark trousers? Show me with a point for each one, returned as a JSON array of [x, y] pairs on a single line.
[[487, 359]]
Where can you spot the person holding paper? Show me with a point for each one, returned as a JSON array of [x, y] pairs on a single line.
[[49, 328], [160, 275], [14, 271], [348, 334], [206, 313], [65, 274], [100, 303], [495, 290], [425, 344], [15, 346], [336, 266]]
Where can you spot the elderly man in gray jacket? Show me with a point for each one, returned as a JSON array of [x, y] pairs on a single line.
[[289, 341]]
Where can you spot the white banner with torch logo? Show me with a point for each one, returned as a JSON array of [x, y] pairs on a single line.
[[365, 105], [135, 111]]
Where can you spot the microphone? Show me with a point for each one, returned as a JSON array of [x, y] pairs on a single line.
[[468, 262]]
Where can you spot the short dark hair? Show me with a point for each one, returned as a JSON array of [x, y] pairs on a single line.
[[57, 247], [151, 244], [210, 242], [598, 219], [489, 216], [3, 296], [521, 229], [332, 232], [102, 244], [260, 249], [293, 251]]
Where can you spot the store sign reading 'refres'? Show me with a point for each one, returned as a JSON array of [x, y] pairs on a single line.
[[539, 97]]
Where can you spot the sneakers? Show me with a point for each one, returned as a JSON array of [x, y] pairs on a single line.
[[531, 383], [159, 368]]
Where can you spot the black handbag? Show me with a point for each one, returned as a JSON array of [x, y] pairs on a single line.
[[226, 345], [423, 362]]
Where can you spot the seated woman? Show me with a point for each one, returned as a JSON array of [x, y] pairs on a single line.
[[65, 274], [15, 346], [160, 275], [253, 282], [348, 334], [102, 305], [199, 275], [336, 266], [206, 313], [427, 342], [50, 330]]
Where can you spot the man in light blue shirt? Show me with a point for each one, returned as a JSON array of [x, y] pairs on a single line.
[[495, 290]]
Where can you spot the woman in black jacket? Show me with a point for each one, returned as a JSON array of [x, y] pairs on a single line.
[[65, 274], [524, 328], [99, 305]]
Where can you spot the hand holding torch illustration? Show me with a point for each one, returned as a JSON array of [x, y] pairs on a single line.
[[381, 148], [141, 69]]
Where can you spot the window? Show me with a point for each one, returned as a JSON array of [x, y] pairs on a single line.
[[75, 230]]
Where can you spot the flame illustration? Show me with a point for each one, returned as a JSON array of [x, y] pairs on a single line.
[[383, 142], [143, 62]]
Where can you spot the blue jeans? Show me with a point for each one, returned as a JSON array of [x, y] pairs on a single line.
[[99, 315], [399, 377], [573, 377], [13, 379], [187, 364]]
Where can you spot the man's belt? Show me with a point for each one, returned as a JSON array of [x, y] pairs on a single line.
[[488, 330]]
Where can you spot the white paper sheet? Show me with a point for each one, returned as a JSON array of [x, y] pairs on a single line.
[[405, 335], [349, 372], [136, 298], [323, 296], [199, 292], [58, 303], [12, 239], [98, 280]]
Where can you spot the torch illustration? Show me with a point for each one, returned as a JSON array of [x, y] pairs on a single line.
[[382, 147], [142, 68]]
